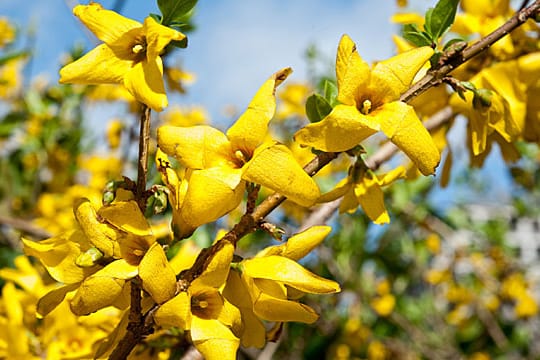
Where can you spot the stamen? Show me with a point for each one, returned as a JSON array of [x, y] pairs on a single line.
[[137, 49], [366, 107], [240, 156]]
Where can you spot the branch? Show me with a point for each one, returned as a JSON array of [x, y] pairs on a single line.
[[449, 63], [136, 329]]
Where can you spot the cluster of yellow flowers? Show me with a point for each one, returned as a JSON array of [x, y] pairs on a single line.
[[219, 300]]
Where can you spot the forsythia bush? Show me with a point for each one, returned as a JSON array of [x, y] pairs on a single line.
[[172, 254]]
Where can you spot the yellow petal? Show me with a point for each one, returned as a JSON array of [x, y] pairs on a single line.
[[287, 271], [211, 193], [340, 190], [96, 292], [344, 128], [391, 176], [158, 37], [99, 66], [349, 203], [107, 25], [237, 293], [58, 255], [196, 147], [126, 216], [214, 340], [144, 80], [401, 125], [158, 277], [175, 312], [276, 168], [298, 245], [53, 298], [250, 130], [370, 196], [273, 309], [217, 269], [352, 72], [398, 72]]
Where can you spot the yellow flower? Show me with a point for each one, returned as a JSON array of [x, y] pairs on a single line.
[[7, 32], [118, 234], [267, 286], [11, 78], [114, 133], [370, 103], [129, 55], [482, 17], [293, 99], [219, 165], [201, 309], [364, 190]]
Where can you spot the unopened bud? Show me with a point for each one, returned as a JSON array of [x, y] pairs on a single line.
[[482, 99]]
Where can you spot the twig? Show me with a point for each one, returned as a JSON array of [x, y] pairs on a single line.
[[25, 227], [136, 329], [142, 164], [435, 74]]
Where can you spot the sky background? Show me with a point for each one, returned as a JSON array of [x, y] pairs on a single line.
[[237, 45]]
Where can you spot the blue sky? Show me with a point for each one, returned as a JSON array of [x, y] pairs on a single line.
[[237, 44]]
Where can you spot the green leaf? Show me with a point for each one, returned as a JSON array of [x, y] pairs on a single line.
[[175, 10], [439, 19], [330, 92], [317, 107], [412, 34]]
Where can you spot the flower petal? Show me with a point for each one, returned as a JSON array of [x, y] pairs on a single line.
[[158, 277], [126, 216], [59, 255], [96, 292], [401, 125], [371, 198], [236, 292], [217, 269], [196, 147], [276, 168], [289, 272], [145, 82], [99, 66], [352, 72], [214, 340], [251, 128], [394, 76], [158, 37], [53, 298], [273, 309], [298, 245], [344, 128], [107, 25], [211, 193], [175, 312]]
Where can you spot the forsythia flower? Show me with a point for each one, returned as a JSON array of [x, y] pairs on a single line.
[[201, 309], [219, 165], [364, 189], [266, 287], [129, 55], [370, 102], [117, 233]]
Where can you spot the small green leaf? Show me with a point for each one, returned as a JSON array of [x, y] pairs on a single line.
[[440, 18], [434, 60], [175, 10], [317, 108], [412, 34], [458, 44], [156, 17], [330, 92]]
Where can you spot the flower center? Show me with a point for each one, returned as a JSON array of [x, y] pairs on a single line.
[[366, 107], [138, 48]]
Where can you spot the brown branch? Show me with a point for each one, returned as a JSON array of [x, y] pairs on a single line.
[[142, 164], [136, 329], [25, 227], [435, 75]]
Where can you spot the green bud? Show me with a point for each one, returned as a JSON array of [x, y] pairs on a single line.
[[482, 99], [89, 258]]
